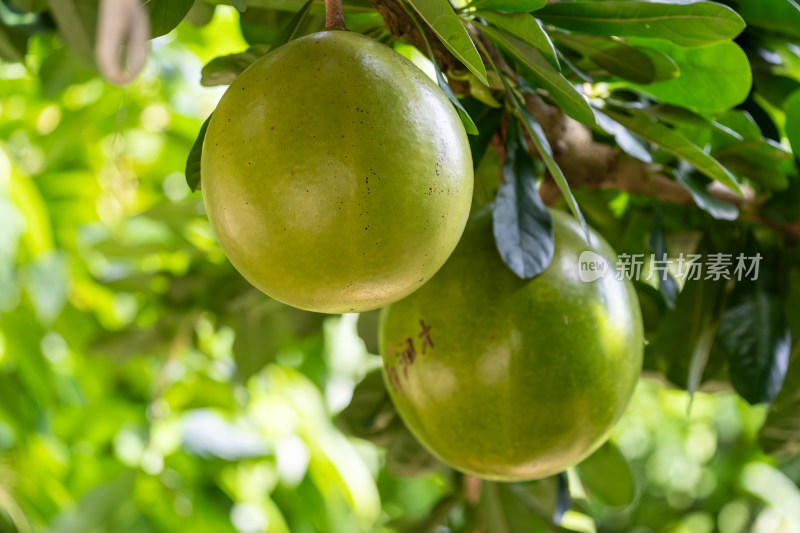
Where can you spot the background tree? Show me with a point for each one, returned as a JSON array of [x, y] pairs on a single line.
[[144, 386]]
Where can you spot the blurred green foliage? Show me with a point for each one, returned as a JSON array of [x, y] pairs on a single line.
[[144, 386]]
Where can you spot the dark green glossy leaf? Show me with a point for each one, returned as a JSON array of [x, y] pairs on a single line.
[[755, 336], [539, 139], [686, 24], [780, 434], [487, 121], [679, 116], [658, 244], [223, 70], [510, 6], [773, 88], [627, 142], [523, 227], [165, 15], [698, 188], [607, 477], [193, 161], [761, 160], [617, 58], [525, 27], [687, 332], [653, 307], [563, 498], [543, 75], [439, 15], [712, 78], [676, 144]]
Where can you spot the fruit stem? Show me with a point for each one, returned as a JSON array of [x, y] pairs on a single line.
[[334, 15]]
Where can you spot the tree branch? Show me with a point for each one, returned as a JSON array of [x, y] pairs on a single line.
[[584, 161]]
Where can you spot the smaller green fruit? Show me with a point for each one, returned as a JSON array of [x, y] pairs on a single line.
[[512, 379]]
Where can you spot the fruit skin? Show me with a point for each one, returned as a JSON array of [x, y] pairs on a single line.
[[336, 175], [521, 379]]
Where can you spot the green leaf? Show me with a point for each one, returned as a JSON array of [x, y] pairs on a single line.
[[293, 26], [776, 16], [193, 161], [97, 507], [617, 58], [240, 5], [223, 70], [688, 331], [510, 6], [665, 67], [607, 477], [77, 23], [657, 243], [543, 75], [755, 336], [466, 120], [13, 44], [761, 160], [165, 15], [28, 6], [775, 89], [521, 507], [523, 227], [780, 434], [539, 139], [525, 27], [627, 142], [686, 24], [263, 327], [793, 121], [487, 121], [435, 518], [546, 153], [676, 144], [712, 79], [719, 209], [405, 456], [563, 497], [679, 116], [371, 414], [62, 68], [439, 15]]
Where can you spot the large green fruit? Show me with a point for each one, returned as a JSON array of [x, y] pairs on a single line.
[[336, 175], [512, 379]]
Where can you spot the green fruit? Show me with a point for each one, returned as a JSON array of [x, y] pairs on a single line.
[[512, 379], [336, 175]]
